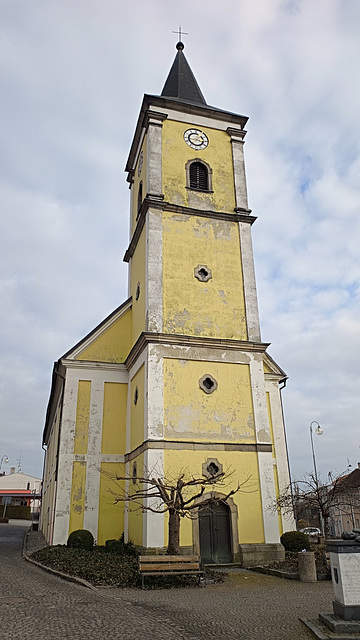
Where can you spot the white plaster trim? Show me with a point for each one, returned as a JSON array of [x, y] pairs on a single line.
[[126, 504], [268, 496], [155, 395], [249, 283], [239, 172], [139, 362], [106, 371], [111, 457], [265, 459], [280, 447], [153, 523], [92, 482], [153, 159], [146, 399], [65, 463], [203, 354], [257, 382], [200, 121], [154, 266]]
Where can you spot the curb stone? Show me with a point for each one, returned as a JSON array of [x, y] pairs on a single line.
[[60, 574]]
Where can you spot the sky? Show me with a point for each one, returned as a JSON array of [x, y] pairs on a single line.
[[72, 77]]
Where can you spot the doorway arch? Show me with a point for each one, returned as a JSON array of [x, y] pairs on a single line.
[[214, 533], [215, 529]]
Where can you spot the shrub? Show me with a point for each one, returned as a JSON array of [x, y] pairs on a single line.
[[81, 539], [295, 541], [122, 548]]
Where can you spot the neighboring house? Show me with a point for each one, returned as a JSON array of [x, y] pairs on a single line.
[[177, 378], [345, 512], [20, 489]]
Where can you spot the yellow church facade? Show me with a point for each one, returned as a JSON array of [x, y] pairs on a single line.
[[177, 378]]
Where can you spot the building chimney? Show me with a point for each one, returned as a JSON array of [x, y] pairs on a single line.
[[12, 470]]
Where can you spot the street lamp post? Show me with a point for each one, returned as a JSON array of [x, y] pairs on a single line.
[[4, 459], [319, 431]]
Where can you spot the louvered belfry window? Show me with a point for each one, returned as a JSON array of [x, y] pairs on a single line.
[[199, 176]]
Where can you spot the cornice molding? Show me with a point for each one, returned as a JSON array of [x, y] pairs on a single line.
[[155, 202], [191, 341], [93, 365], [196, 446]]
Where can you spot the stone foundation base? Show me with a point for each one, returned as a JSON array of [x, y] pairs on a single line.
[[252, 555]]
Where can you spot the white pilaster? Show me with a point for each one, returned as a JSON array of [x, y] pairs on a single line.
[[153, 523], [154, 267], [237, 145], [155, 394], [153, 154], [249, 282], [65, 462], [280, 446], [92, 482], [265, 458]]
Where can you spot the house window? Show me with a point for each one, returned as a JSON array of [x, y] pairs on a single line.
[[198, 175]]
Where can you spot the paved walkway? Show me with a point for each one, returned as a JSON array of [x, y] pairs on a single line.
[[248, 606]]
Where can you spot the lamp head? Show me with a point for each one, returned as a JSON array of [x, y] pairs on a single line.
[[319, 431]]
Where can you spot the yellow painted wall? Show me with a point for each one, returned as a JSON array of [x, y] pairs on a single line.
[[114, 418], [137, 410], [113, 345], [215, 308], [226, 415], [135, 531], [111, 515], [137, 179], [267, 368], [137, 275], [242, 467], [176, 153]]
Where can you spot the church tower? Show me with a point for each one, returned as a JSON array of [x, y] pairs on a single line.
[[177, 379]]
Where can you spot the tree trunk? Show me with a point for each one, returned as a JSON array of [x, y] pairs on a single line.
[[174, 533]]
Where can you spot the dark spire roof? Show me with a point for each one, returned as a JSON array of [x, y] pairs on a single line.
[[181, 83]]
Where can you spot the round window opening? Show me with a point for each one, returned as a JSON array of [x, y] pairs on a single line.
[[208, 384]]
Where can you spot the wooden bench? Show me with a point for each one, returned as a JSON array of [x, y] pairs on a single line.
[[169, 566]]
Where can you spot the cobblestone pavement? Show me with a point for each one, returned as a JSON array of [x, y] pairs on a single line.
[[248, 606]]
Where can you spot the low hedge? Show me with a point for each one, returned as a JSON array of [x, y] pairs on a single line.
[[295, 541]]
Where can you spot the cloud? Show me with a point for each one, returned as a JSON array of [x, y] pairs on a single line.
[[72, 77]]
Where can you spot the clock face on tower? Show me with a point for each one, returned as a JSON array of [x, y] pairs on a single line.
[[196, 139]]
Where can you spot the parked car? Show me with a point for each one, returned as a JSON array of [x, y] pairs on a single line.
[[312, 532]]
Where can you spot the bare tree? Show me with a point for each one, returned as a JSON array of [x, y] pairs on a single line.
[[309, 493], [179, 497]]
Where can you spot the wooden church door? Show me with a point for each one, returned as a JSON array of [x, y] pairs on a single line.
[[214, 533]]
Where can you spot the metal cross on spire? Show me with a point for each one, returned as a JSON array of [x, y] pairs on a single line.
[[180, 33]]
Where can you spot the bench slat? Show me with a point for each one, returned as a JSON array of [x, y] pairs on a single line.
[[174, 566], [169, 558]]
